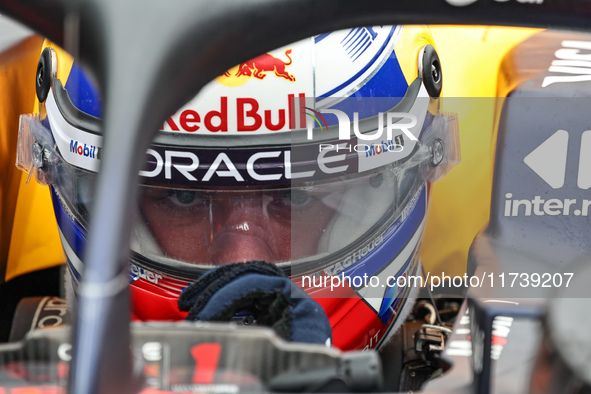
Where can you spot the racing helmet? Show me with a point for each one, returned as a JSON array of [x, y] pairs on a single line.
[[317, 157]]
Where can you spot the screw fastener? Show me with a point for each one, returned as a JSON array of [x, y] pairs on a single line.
[[437, 152]]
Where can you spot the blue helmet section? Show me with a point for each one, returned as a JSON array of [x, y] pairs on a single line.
[[83, 93], [387, 82], [72, 231], [398, 237]]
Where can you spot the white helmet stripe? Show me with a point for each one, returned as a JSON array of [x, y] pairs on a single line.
[[77, 147]]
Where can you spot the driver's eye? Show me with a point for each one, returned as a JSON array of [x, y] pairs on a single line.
[[184, 197], [298, 197], [292, 198]]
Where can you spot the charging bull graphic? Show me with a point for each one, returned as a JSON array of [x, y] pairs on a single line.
[[261, 65]]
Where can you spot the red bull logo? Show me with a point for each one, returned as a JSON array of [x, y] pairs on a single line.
[[250, 115], [258, 68]]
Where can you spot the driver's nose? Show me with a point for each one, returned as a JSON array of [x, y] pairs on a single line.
[[244, 234]]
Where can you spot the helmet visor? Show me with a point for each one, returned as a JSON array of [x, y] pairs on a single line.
[[214, 227]]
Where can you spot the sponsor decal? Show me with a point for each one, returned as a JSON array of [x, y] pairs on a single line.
[[250, 115], [410, 207], [572, 63], [139, 272], [258, 68], [584, 176], [352, 258], [245, 166], [51, 312], [541, 207], [373, 341], [396, 144], [548, 161], [82, 149]]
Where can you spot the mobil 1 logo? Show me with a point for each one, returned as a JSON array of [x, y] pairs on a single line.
[[548, 161]]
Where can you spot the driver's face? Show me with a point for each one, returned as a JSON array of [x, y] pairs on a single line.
[[232, 226]]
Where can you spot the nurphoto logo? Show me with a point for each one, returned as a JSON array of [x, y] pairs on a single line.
[[400, 121]]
